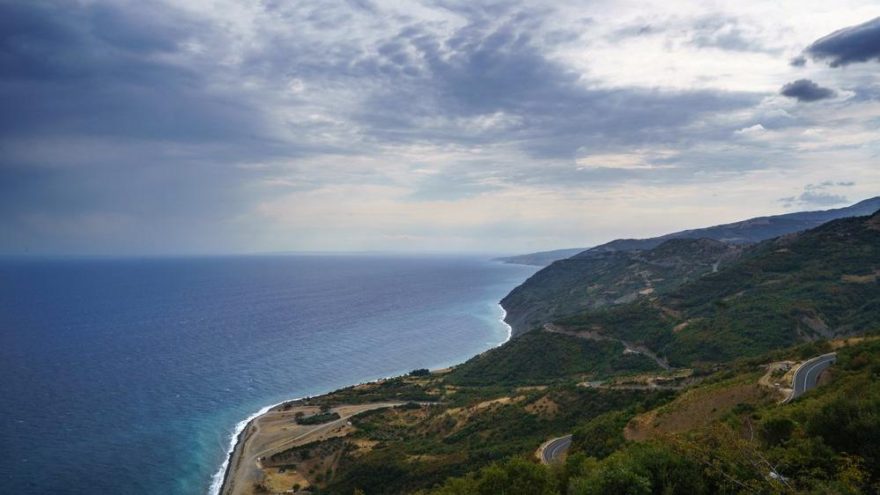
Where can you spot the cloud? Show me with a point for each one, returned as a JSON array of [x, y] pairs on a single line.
[[726, 34], [849, 45], [806, 90], [490, 67], [163, 125], [721, 32], [817, 195], [751, 131]]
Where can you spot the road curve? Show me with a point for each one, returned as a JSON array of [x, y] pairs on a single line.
[[807, 374], [555, 449]]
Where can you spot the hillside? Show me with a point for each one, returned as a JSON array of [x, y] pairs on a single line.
[[825, 442], [743, 232], [615, 273], [690, 436], [502, 403], [821, 283], [615, 277]]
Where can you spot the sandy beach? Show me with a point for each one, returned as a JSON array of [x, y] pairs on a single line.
[[258, 459]]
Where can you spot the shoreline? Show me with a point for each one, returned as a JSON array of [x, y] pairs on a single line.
[[237, 440], [218, 479]]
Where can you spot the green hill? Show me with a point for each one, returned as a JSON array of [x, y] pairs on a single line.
[[625, 269], [615, 277], [820, 283], [827, 442]]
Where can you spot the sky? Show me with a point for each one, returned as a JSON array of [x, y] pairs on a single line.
[[238, 126]]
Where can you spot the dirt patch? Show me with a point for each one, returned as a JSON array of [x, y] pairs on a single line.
[[531, 388], [281, 480], [860, 279], [778, 378], [667, 311], [543, 407], [496, 402], [362, 446], [838, 343], [695, 409], [825, 377], [307, 465]]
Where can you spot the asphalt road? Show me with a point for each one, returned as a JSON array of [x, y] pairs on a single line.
[[555, 449], [807, 374]]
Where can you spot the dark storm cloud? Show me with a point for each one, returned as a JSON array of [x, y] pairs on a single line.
[[853, 44], [106, 117], [806, 90], [93, 70]]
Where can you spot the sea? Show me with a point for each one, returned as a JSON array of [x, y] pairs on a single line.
[[133, 375]]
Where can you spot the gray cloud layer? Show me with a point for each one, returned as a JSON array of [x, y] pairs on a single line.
[[145, 127]]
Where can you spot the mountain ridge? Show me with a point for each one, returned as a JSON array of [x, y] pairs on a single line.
[[744, 231], [626, 269], [818, 284]]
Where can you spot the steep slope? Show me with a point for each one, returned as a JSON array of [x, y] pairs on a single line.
[[615, 277], [746, 231], [596, 278], [816, 284]]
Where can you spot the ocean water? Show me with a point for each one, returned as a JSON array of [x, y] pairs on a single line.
[[129, 376]]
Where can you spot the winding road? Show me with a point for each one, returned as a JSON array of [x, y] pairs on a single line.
[[807, 375], [555, 449]]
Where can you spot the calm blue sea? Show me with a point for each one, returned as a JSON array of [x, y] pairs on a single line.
[[128, 376]]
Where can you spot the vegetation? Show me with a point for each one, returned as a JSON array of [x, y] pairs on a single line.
[[817, 284], [542, 357], [317, 419], [826, 442], [414, 449], [601, 279]]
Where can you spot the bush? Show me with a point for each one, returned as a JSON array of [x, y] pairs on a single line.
[[317, 419]]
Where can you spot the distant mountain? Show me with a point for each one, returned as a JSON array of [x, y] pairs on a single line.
[[746, 231], [821, 283], [542, 258], [621, 271]]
